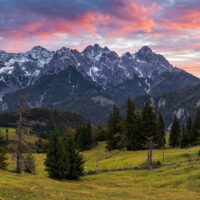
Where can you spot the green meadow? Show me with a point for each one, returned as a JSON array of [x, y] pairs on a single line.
[[180, 181]]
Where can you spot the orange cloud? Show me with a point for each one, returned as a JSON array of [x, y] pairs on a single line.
[[189, 19], [193, 70]]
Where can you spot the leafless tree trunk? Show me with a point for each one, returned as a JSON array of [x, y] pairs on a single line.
[[20, 133], [150, 145]]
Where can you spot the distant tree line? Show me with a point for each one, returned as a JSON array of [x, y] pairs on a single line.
[[133, 131], [185, 135], [42, 119]]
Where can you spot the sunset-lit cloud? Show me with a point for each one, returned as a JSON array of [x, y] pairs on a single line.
[[169, 27]]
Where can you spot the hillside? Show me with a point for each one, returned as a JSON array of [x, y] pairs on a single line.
[[29, 143], [182, 103], [40, 120], [88, 82], [176, 182]]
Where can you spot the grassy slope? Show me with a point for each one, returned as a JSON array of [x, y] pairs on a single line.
[[12, 135], [100, 158], [173, 182]]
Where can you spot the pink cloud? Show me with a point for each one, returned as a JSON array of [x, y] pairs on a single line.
[[193, 70]]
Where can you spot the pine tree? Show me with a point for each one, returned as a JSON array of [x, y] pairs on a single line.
[[138, 132], [161, 129], [113, 128], [57, 163], [175, 133], [131, 126], [3, 151], [75, 159], [196, 128], [121, 137], [100, 134], [184, 137], [84, 137], [189, 136], [149, 124]]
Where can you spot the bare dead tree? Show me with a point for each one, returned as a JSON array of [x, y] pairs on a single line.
[[150, 146], [20, 134]]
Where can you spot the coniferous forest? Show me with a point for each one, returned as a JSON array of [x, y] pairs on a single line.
[[133, 131]]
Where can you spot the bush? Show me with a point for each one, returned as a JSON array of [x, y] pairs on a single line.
[[29, 163], [157, 163]]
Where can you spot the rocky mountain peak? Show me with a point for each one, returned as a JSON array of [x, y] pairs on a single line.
[[127, 55], [145, 50], [38, 49], [39, 53], [94, 52]]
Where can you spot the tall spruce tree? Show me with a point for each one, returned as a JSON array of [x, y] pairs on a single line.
[[131, 126], [3, 151], [138, 132], [175, 133], [189, 136], [113, 128], [196, 128], [84, 137], [57, 162], [184, 137], [121, 137], [149, 124], [161, 131], [75, 159]]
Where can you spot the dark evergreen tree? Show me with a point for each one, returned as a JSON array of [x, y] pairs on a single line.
[[149, 124], [175, 133], [84, 137], [184, 138], [131, 126], [161, 131], [3, 151], [57, 162], [113, 128], [121, 137], [196, 128], [100, 134], [75, 159], [138, 131], [189, 136]]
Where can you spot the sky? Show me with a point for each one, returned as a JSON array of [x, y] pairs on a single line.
[[169, 27]]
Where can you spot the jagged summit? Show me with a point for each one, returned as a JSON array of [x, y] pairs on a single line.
[[103, 66], [145, 50], [38, 48], [95, 48]]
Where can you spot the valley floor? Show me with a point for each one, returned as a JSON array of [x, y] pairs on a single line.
[[178, 182]]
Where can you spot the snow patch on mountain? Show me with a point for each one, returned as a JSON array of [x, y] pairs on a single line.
[[100, 64], [180, 112]]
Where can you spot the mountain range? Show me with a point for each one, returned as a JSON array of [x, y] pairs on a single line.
[[91, 81]]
